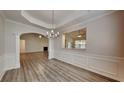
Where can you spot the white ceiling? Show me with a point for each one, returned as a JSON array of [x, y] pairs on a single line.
[[46, 15], [43, 18]]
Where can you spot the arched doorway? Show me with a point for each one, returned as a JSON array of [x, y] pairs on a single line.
[[18, 35], [33, 42], [33, 47]]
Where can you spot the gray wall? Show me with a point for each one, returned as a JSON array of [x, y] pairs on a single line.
[[33, 43], [2, 31], [105, 36], [104, 53], [2, 40], [13, 30]]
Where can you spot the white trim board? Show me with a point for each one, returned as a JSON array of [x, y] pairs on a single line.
[[111, 67], [10, 62], [83, 23], [26, 25]]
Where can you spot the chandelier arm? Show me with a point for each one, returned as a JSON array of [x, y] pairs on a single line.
[[52, 34]]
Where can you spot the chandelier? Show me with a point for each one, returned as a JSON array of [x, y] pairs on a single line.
[[52, 33]]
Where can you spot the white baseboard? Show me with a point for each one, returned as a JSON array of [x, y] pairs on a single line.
[[112, 67]]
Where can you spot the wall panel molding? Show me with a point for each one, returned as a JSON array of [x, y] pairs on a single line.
[[11, 62], [104, 65]]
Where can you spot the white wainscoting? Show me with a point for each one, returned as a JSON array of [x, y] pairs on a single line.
[[11, 62], [104, 65], [8, 62]]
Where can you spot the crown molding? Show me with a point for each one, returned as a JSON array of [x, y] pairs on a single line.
[[33, 20], [74, 16], [15, 22], [83, 23], [62, 25]]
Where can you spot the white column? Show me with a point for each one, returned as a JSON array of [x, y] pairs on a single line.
[[51, 48], [17, 58]]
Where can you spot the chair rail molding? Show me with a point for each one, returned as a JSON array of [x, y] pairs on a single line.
[[105, 65]]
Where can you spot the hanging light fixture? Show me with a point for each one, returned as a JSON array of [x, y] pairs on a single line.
[[40, 36], [79, 34], [52, 33]]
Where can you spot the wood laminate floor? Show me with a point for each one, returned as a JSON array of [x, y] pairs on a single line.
[[35, 67]]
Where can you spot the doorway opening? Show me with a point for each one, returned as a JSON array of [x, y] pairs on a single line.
[[33, 44]]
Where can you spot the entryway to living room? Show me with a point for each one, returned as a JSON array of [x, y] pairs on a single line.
[[33, 50], [33, 43]]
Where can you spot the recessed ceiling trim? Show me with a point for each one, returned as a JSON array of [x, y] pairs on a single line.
[[34, 20], [83, 23], [73, 17], [64, 21]]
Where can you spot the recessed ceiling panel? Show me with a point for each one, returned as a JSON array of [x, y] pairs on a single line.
[[46, 15]]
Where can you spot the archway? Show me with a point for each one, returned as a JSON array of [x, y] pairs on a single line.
[[17, 35], [33, 42]]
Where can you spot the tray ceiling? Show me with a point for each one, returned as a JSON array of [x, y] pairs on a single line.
[[43, 18]]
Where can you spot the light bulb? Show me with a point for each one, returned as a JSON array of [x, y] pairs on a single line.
[[47, 33], [40, 36], [79, 36], [58, 33], [50, 35], [52, 31]]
